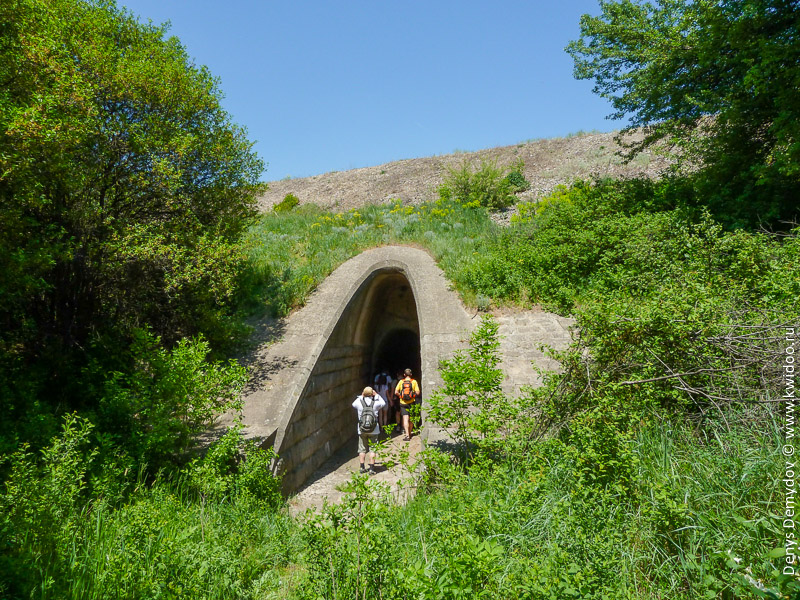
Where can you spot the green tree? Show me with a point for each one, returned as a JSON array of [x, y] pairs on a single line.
[[125, 188], [715, 80]]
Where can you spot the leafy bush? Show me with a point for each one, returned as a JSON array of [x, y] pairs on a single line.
[[517, 180], [289, 202], [233, 468], [486, 186], [41, 505], [470, 404], [168, 397], [126, 190]]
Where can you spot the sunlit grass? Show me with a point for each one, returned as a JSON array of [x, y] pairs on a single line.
[[162, 544], [290, 253]]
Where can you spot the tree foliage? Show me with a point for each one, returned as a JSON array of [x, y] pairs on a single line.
[[124, 184], [718, 81]]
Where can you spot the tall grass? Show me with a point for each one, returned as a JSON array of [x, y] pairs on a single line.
[[292, 252], [165, 544], [695, 525]]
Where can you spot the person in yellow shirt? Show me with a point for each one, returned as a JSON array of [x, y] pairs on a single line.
[[407, 391]]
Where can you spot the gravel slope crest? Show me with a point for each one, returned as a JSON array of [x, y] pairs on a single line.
[[547, 163]]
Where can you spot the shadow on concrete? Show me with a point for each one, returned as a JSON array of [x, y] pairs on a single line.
[[265, 332], [346, 454], [261, 371]]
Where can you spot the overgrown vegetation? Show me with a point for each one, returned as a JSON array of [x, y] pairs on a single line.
[[488, 185], [647, 468], [125, 191], [206, 533], [623, 502], [714, 80]]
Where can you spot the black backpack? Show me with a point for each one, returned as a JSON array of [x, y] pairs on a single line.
[[368, 418]]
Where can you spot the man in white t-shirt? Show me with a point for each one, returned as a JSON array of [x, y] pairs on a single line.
[[368, 398]]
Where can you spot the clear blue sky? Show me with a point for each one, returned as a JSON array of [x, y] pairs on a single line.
[[328, 86]]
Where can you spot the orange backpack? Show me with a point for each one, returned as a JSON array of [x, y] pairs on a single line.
[[407, 393]]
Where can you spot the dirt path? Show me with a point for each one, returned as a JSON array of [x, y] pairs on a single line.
[[326, 480]]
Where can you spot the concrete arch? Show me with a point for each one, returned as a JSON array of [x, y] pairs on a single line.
[[367, 313]]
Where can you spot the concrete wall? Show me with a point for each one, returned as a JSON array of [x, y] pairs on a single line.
[[319, 426]]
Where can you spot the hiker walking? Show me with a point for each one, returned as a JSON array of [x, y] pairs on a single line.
[[407, 391], [382, 382], [367, 405], [394, 401]]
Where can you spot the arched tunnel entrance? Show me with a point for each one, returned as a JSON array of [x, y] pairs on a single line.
[[378, 330], [386, 307], [397, 351]]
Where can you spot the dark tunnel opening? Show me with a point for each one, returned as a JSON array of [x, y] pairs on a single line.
[[397, 351]]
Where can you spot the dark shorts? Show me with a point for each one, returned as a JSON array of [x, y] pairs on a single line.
[[404, 408]]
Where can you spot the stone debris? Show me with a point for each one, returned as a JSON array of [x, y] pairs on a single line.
[[547, 163]]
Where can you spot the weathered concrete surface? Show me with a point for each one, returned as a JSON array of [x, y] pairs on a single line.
[[387, 305], [522, 334], [326, 482]]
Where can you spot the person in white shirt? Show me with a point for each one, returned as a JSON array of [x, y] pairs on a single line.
[[382, 389], [368, 398]]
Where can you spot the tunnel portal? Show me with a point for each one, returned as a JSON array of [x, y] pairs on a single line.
[[377, 331], [388, 308]]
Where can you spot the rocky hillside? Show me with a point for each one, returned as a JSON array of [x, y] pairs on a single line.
[[547, 163]]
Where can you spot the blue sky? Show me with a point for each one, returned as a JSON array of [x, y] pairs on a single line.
[[329, 86]]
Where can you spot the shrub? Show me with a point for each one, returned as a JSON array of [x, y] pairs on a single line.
[[110, 221], [233, 468], [167, 398], [486, 186], [517, 180], [471, 404], [289, 202]]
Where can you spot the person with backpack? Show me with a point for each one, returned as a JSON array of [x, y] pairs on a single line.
[[394, 403], [407, 391], [367, 406]]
